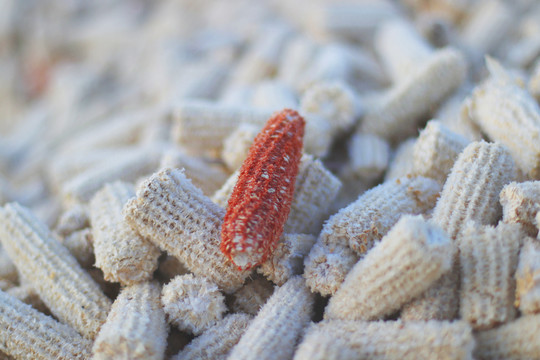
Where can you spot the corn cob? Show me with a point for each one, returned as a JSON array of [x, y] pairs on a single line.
[[288, 258], [80, 244], [534, 82], [177, 217], [203, 175], [387, 340], [252, 296], [412, 256], [510, 115], [222, 195], [436, 150], [28, 295], [135, 327], [8, 271], [237, 144], [192, 303], [528, 278], [296, 56], [488, 258], [273, 333], [334, 101], [473, 186], [519, 339], [273, 95], [521, 205], [75, 218], [26, 333], [203, 126], [369, 155], [67, 290], [122, 254], [402, 160], [216, 342]]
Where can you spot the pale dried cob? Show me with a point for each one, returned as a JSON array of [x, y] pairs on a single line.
[[412, 256], [528, 278], [488, 258], [176, 216], [508, 114], [402, 161], [192, 303], [28, 334], [388, 340], [521, 204], [274, 96], [67, 290], [222, 195], [203, 175], [237, 144], [454, 115], [519, 339], [369, 155], [127, 168], [472, 189], [216, 342], [297, 54], [27, 294], [135, 327], [73, 219], [436, 150], [123, 255], [318, 136], [8, 271], [80, 244], [273, 333], [252, 296], [288, 258], [204, 126], [334, 101], [534, 82]]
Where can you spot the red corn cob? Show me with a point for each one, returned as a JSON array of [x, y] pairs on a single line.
[[261, 200]]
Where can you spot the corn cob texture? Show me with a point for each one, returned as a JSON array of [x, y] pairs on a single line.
[[274, 95], [369, 155], [236, 145], [386, 340], [80, 244], [122, 254], [67, 290], [73, 219], [252, 296], [519, 339], [216, 342], [135, 327], [28, 295], [192, 303], [401, 163], [288, 258], [521, 204], [273, 333], [177, 217], [508, 114], [26, 333], [8, 271], [528, 278], [412, 256], [488, 258], [170, 267], [436, 150]]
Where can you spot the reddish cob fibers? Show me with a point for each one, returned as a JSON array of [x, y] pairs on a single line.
[[261, 200]]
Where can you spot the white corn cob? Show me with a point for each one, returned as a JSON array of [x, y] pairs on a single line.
[[237, 144], [27, 294], [135, 327], [297, 54], [368, 219], [334, 101], [472, 189], [123, 255], [222, 195], [369, 155], [176, 216], [216, 342], [67, 290], [383, 340], [318, 135], [203, 175], [75, 218], [80, 244], [8, 271], [521, 204], [273, 333], [288, 258], [26, 333], [204, 126], [412, 256], [488, 258], [192, 303], [252, 296], [170, 267], [127, 168], [534, 82], [274, 96], [528, 278], [402, 160], [454, 115], [436, 150], [508, 114], [519, 339]]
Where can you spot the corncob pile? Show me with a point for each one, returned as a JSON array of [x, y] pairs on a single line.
[[413, 230]]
